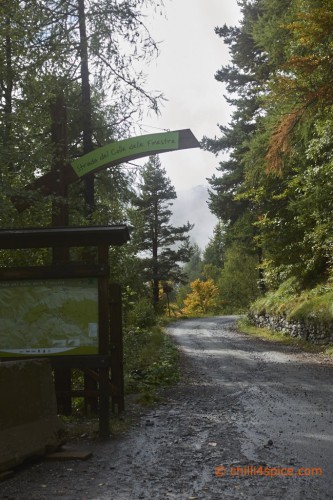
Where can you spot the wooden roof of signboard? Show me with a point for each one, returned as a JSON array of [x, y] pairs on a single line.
[[63, 237]]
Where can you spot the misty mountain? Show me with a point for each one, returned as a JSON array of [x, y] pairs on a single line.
[[191, 205]]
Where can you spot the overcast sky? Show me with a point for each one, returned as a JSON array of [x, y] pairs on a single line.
[[190, 55]]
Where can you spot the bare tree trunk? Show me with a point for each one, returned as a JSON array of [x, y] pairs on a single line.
[[86, 106]]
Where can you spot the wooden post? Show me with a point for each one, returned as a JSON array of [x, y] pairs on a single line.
[[103, 330], [116, 342], [60, 217]]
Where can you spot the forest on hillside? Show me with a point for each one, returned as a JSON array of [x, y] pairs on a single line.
[[272, 195]]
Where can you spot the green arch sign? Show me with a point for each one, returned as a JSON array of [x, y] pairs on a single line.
[[109, 156], [120, 151]]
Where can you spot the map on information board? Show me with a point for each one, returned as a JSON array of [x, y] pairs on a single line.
[[49, 317]]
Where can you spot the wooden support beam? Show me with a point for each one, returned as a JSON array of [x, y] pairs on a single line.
[[116, 343]]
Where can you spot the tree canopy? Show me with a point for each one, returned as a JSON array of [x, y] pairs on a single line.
[[274, 191], [88, 53]]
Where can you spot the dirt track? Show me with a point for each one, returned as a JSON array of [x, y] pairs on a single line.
[[244, 405]]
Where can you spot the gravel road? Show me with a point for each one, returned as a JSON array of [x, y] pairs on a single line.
[[250, 419]]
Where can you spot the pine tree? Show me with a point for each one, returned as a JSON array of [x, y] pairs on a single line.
[[240, 192], [214, 251], [162, 246]]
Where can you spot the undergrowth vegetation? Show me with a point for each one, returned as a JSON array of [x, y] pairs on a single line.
[[289, 300], [150, 361]]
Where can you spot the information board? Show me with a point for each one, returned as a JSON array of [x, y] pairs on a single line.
[[49, 317]]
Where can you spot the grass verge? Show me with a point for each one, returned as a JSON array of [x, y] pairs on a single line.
[[151, 361]]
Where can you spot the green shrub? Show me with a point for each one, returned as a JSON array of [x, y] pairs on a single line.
[[141, 314]]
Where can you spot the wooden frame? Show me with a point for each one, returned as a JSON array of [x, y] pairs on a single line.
[[110, 335]]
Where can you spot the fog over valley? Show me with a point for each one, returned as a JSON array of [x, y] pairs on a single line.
[[191, 205]]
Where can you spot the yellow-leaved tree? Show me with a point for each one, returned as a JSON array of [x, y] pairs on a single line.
[[203, 297]]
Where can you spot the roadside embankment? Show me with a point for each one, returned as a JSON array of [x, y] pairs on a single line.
[[302, 314]]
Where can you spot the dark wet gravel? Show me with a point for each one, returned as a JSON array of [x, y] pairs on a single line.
[[243, 404]]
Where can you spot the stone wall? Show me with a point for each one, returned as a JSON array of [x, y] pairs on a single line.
[[310, 331]]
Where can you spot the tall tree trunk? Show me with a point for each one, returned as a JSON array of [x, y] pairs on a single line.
[[7, 87], [262, 286], [91, 403], [62, 377], [86, 106], [60, 215], [8, 107], [156, 283]]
